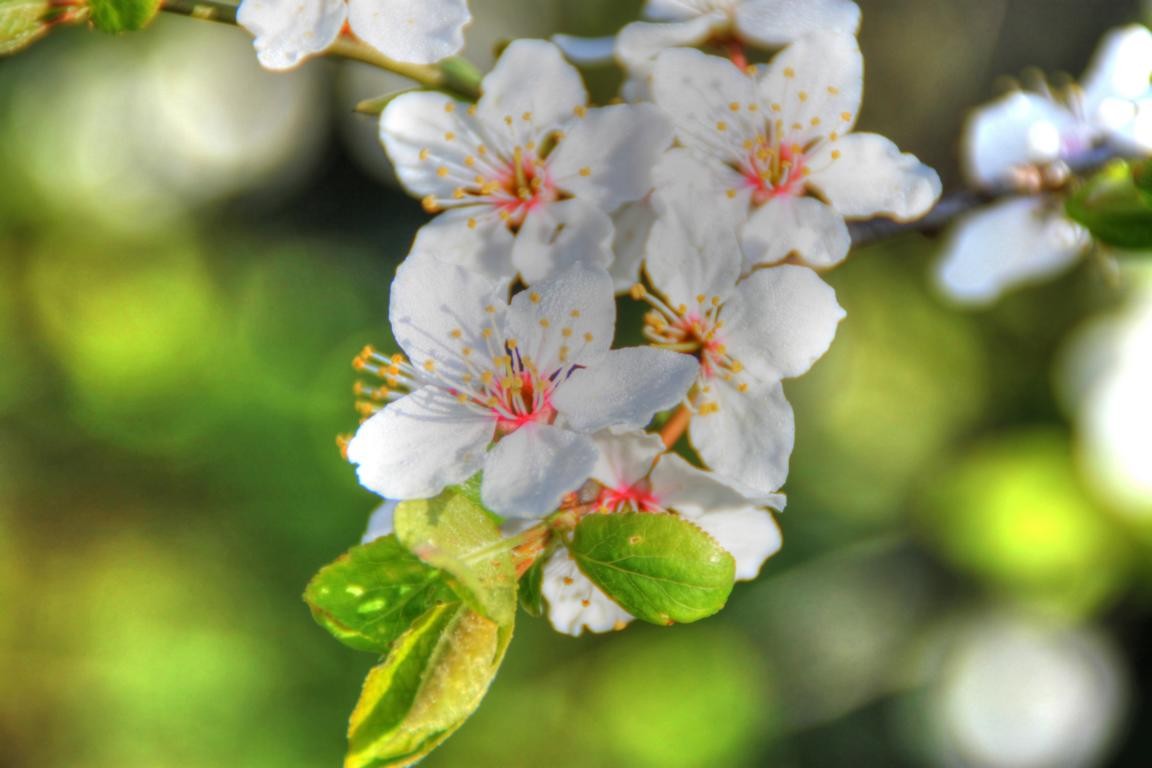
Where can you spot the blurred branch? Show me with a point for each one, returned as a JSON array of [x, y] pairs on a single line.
[[455, 75]]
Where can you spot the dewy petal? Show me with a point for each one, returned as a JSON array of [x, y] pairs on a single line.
[[803, 227], [465, 237], [586, 51], [780, 321], [696, 91], [576, 604], [415, 31], [606, 157], [748, 439], [425, 132], [554, 236], [773, 23], [418, 445], [532, 90], [579, 299], [817, 83], [625, 459], [1017, 129], [529, 471], [1013, 242], [693, 249], [632, 225], [437, 308], [864, 175], [381, 522], [288, 31], [625, 389], [748, 533]]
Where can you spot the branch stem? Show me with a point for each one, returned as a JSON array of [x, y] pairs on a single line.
[[675, 427]]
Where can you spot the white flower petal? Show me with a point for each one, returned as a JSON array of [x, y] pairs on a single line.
[[418, 445], [817, 82], [632, 225], [586, 51], [580, 299], [554, 236], [1013, 242], [693, 249], [864, 174], [780, 321], [424, 132], [625, 389], [802, 227], [773, 23], [748, 439], [607, 156], [640, 42], [437, 308], [288, 31], [678, 10], [576, 604], [415, 31], [625, 459], [529, 471], [1017, 129], [479, 242], [697, 91], [381, 522], [531, 91], [748, 533], [1121, 68]]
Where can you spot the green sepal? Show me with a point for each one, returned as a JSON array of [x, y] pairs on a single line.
[[122, 15], [431, 682], [1115, 207], [658, 567], [453, 533], [21, 23], [373, 593], [531, 593]]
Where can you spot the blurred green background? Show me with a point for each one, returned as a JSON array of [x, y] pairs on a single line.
[[192, 251]]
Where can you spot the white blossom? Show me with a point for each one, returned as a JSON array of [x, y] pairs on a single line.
[[748, 334], [510, 388], [726, 24], [414, 31], [1026, 129], [381, 523], [635, 474], [527, 178], [777, 148]]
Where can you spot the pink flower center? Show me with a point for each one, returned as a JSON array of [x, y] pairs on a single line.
[[773, 171], [524, 186], [521, 399], [623, 498]]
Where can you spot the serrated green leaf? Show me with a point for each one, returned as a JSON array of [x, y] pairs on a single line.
[[122, 15], [430, 683], [21, 22], [659, 568], [1113, 208], [531, 593], [373, 593], [456, 535]]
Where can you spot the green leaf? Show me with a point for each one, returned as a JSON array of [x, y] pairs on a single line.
[[373, 593], [531, 595], [21, 22], [453, 533], [122, 15], [431, 682], [659, 568], [1113, 208]]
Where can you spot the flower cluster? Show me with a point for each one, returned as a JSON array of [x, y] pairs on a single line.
[[712, 204]]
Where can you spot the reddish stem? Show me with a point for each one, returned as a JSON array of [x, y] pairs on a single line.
[[675, 427], [736, 53]]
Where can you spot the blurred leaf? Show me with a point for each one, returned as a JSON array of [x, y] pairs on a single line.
[[531, 596], [454, 533], [122, 15], [373, 593], [431, 682], [659, 568], [1114, 207], [21, 22]]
